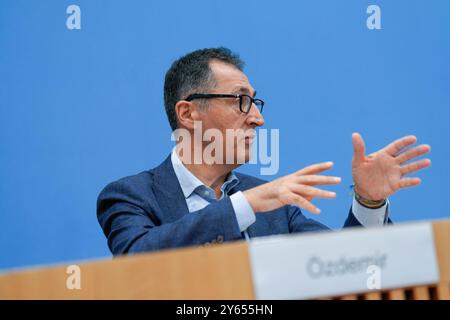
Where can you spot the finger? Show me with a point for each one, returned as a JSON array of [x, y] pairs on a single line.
[[315, 168], [413, 153], [415, 166], [303, 203], [409, 182], [311, 192], [358, 147], [395, 147], [317, 180]]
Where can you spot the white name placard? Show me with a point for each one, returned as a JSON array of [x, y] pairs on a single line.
[[334, 263]]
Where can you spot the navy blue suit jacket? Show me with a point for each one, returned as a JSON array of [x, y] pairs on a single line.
[[148, 211]]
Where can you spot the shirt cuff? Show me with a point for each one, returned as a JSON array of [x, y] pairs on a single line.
[[370, 217], [244, 212]]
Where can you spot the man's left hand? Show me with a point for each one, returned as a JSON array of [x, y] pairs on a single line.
[[382, 173]]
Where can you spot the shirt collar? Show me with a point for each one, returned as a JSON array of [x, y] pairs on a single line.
[[189, 182]]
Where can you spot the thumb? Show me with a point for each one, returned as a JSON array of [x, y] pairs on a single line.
[[358, 147]]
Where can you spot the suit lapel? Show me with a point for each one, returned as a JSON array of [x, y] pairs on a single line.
[[168, 192]]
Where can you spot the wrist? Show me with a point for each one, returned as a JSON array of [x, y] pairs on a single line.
[[368, 203], [249, 195]]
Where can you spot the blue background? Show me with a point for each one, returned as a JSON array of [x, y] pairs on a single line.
[[81, 108]]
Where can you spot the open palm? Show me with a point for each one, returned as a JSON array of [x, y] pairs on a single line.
[[382, 173]]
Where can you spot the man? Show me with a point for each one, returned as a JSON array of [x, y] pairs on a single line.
[[183, 202]]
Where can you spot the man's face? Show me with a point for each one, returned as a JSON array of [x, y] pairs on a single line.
[[224, 113]]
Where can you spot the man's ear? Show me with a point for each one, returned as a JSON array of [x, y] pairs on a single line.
[[187, 112]]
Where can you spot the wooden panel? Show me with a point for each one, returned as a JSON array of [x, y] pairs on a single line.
[[349, 297], [443, 291], [216, 272], [441, 231], [396, 294], [420, 293], [376, 295]]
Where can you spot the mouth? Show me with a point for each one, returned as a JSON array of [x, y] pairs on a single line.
[[248, 136], [249, 139]]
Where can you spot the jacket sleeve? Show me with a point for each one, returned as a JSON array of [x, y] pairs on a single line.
[[131, 227], [299, 223], [352, 221]]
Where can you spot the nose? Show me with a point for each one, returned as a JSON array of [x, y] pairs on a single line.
[[254, 117]]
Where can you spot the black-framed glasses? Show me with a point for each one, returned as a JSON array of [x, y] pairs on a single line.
[[245, 101]]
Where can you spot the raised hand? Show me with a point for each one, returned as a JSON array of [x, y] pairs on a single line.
[[382, 173]]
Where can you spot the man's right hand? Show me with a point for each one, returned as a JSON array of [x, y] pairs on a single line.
[[295, 188]]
